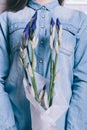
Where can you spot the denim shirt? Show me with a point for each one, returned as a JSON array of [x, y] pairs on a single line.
[[72, 64]]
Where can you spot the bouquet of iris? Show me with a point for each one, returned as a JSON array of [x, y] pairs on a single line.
[[47, 103]]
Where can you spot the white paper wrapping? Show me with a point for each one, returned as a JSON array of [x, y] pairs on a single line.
[[46, 119]]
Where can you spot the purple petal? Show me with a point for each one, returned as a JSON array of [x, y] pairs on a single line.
[[27, 31], [34, 17], [52, 23], [33, 25], [30, 27], [58, 23]]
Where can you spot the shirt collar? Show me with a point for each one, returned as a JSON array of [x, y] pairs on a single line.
[[36, 6]]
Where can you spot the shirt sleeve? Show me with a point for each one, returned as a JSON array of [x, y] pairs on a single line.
[[7, 121], [77, 113]]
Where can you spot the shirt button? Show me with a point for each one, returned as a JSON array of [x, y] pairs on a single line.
[[42, 26], [41, 61], [41, 42], [15, 26], [43, 16], [44, 7]]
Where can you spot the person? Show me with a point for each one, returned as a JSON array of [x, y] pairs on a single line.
[[14, 107], [2, 6]]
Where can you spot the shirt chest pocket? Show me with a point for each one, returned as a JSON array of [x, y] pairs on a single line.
[[68, 40], [15, 35], [67, 49]]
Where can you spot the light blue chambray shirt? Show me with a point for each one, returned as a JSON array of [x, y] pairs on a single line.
[[72, 63]]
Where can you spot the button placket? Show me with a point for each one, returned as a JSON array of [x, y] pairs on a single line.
[[42, 34], [41, 59], [42, 17], [40, 66], [42, 14]]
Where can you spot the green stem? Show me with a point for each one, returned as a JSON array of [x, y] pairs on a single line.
[[54, 71], [54, 74], [29, 55], [35, 87], [33, 78], [24, 65], [51, 78]]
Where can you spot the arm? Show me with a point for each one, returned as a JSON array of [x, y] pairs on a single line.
[[6, 113], [77, 114]]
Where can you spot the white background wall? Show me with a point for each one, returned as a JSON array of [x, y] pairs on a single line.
[[77, 4]]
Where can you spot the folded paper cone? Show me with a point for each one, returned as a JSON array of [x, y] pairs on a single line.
[[46, 119]]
